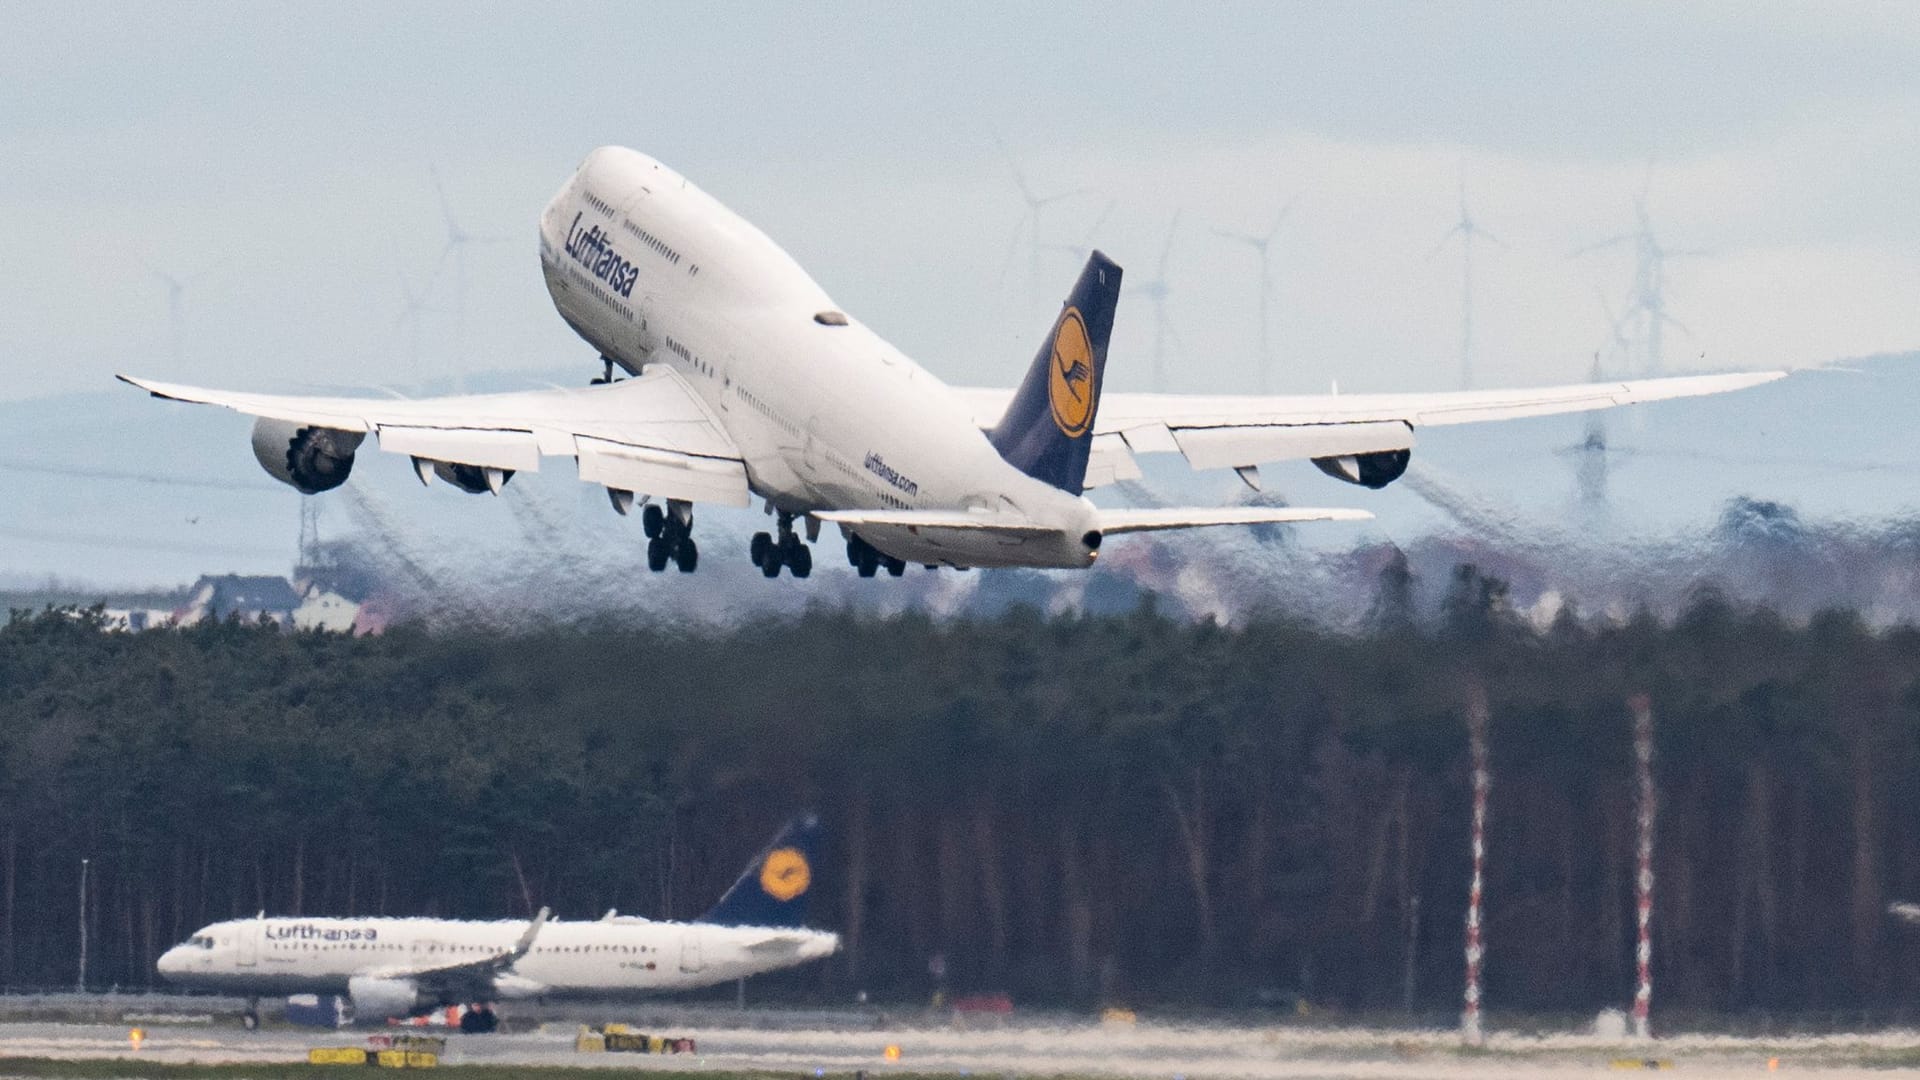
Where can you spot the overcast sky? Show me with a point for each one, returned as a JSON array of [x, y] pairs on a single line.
[[275, 160]]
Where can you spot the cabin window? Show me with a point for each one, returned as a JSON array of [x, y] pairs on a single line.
[[831, 318]]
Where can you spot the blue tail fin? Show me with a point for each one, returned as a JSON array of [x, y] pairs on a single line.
[[773, 890], [1047, 432]]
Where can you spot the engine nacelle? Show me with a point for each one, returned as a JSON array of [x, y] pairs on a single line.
[[1375, 470], [307, 458], [472, 479], [377, 999]]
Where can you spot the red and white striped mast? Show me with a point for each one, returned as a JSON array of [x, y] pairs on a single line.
[[1470, 1029], [1643, 872]]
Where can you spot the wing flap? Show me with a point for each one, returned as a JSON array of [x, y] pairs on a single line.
[[1257, 444], [515, 450], [1114, 522], [667, 474], [1110, 461]]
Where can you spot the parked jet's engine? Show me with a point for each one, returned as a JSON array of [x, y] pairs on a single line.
[[377, 998], [1375, 470], [308, 458]]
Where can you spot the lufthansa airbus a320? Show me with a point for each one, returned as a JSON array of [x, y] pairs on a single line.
[[729, 374]]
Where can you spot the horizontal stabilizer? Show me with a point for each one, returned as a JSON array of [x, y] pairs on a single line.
[[935, 519], [1113, 522]]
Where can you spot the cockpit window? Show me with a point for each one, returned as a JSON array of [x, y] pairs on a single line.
[[831, 318], [201, 941]]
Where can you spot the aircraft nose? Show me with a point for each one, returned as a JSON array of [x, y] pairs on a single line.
[[171, 962]]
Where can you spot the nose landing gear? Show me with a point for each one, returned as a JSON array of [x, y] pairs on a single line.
[[670, 536], [770, 554]]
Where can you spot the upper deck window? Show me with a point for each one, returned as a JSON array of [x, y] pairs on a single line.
[[830, 318]]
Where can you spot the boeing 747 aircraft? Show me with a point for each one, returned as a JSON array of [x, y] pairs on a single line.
[[746, 379], [408, 967]]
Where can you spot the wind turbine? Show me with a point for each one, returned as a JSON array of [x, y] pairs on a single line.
[[458, 239], [1647, 303], [409, 317], [1467, 230], [1029, 221], [1261, 245], [1156, 290], [176, 289], [1084, 248]]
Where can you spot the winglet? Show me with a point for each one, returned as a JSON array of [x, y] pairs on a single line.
[[525, 944]]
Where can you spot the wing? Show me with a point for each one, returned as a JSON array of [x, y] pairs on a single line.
[[460, 979], [1239, 431], [1111, 521], [650, 434]]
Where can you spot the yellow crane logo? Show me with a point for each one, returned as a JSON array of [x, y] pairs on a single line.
[[1070, 388], [785, 874]]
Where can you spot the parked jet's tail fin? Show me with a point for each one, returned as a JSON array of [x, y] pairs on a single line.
[[1047, 431], [773, 890]]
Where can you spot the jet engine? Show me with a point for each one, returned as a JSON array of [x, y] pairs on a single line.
[[472, 479], [310, 459], [376, 998], [1375, 470]]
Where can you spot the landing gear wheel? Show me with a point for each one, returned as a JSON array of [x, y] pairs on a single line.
[[652, 520], [772, 551], [687, 555], [869, 561], [896, 567], [250, 1020], [656, 554]]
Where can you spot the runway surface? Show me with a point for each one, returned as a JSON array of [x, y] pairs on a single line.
[[1143, 1050]]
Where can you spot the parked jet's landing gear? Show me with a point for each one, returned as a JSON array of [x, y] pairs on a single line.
[[670, 536], [479, 1019], [770, 554], [868, 559], [251, 1018]]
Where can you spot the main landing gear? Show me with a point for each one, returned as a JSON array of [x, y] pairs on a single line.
[[670, 536], [868, 559], [479, 1019], [251, 1018], [789, 551]]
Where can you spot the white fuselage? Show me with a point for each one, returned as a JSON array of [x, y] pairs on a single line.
[[275, 956], [651, 270]]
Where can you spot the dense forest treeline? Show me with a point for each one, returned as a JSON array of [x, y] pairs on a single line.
[[1070, 809]]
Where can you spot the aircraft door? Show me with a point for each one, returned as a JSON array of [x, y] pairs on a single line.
[[248, 953], [690, 960]]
